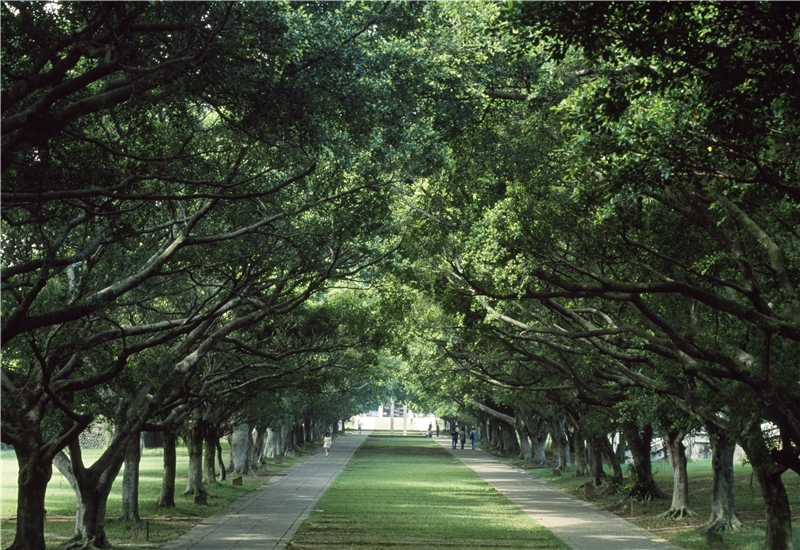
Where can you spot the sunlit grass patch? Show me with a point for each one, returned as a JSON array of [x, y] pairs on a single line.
[[411, 493]]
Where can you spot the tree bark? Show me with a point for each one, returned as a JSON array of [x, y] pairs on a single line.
[[680, 478], [167, 497], [604, 446], [639, 441], [769, 476], [240, 444], [596, 472], [223, 474], [130, 480], [193, 437], [209, 455], [274, 449], [581, 468], [723, 509], [560, 444], [31, 488]]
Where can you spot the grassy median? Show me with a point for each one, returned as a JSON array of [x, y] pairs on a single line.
[[409, 492]]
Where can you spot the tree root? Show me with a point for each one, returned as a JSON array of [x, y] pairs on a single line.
[[678, 513], [82, 544], [733, 524]]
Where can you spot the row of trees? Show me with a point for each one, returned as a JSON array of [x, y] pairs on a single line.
[[184, 187], [573, 218], [619, 242]]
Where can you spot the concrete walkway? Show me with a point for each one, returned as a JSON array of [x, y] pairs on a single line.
[[267, 518], [579, 524]]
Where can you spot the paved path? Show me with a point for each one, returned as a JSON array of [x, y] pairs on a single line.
[[579, 524], [267, 518]]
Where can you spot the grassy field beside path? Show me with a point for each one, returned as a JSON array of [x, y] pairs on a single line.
[[409, 492]]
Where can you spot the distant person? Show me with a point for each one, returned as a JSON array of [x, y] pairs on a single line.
[[359, 426], [473, 435], [454, 434], [463, 438], [326, 443], [430, 431], [437, 429]]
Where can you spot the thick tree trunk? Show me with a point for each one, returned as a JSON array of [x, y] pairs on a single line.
[[31, 488], [581, 468], [604, 445], [596, 472], [509, 437], [210, 456], [680, 486], [768, 474], [193, 437], [723, 509], [639, 443], [130, 481], [286, 438], [537, 431], [167, 497], [91, 528], [239, 447], [94, 485], [273, 446]]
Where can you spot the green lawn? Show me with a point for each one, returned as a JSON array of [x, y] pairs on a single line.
[[683, 533], [165, 523], [409, 492]]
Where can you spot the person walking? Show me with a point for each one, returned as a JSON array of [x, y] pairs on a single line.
[[326, 443], [454, 433], [430, 431], [359, 426], [463, 438], [473, 435], [437, 429]]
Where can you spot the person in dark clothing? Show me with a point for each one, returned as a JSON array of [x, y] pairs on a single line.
[[473, 435], [454, 434], [462, 437], [437, 429]]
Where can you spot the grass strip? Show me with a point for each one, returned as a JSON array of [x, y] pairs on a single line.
[[165, 523], [409, 492]]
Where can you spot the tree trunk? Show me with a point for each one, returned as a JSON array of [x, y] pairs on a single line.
[[167, 497], [257, 455], [31, 488], [581, 468], [768, 474], [676, 451], [210, 456], [596, 472], [94, 485], [130, 480], [222, 471], [193, 437], [509, 437], [239, 447], [723, 509], [639, 442], [286, 438], [274, 449], [605, 448], [560, 445]]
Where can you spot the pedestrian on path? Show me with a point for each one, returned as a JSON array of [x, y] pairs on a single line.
[[326, 443], [430, 431], [473, 435], [437, 429], [463, 437], [359, 426], [454, 433]]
